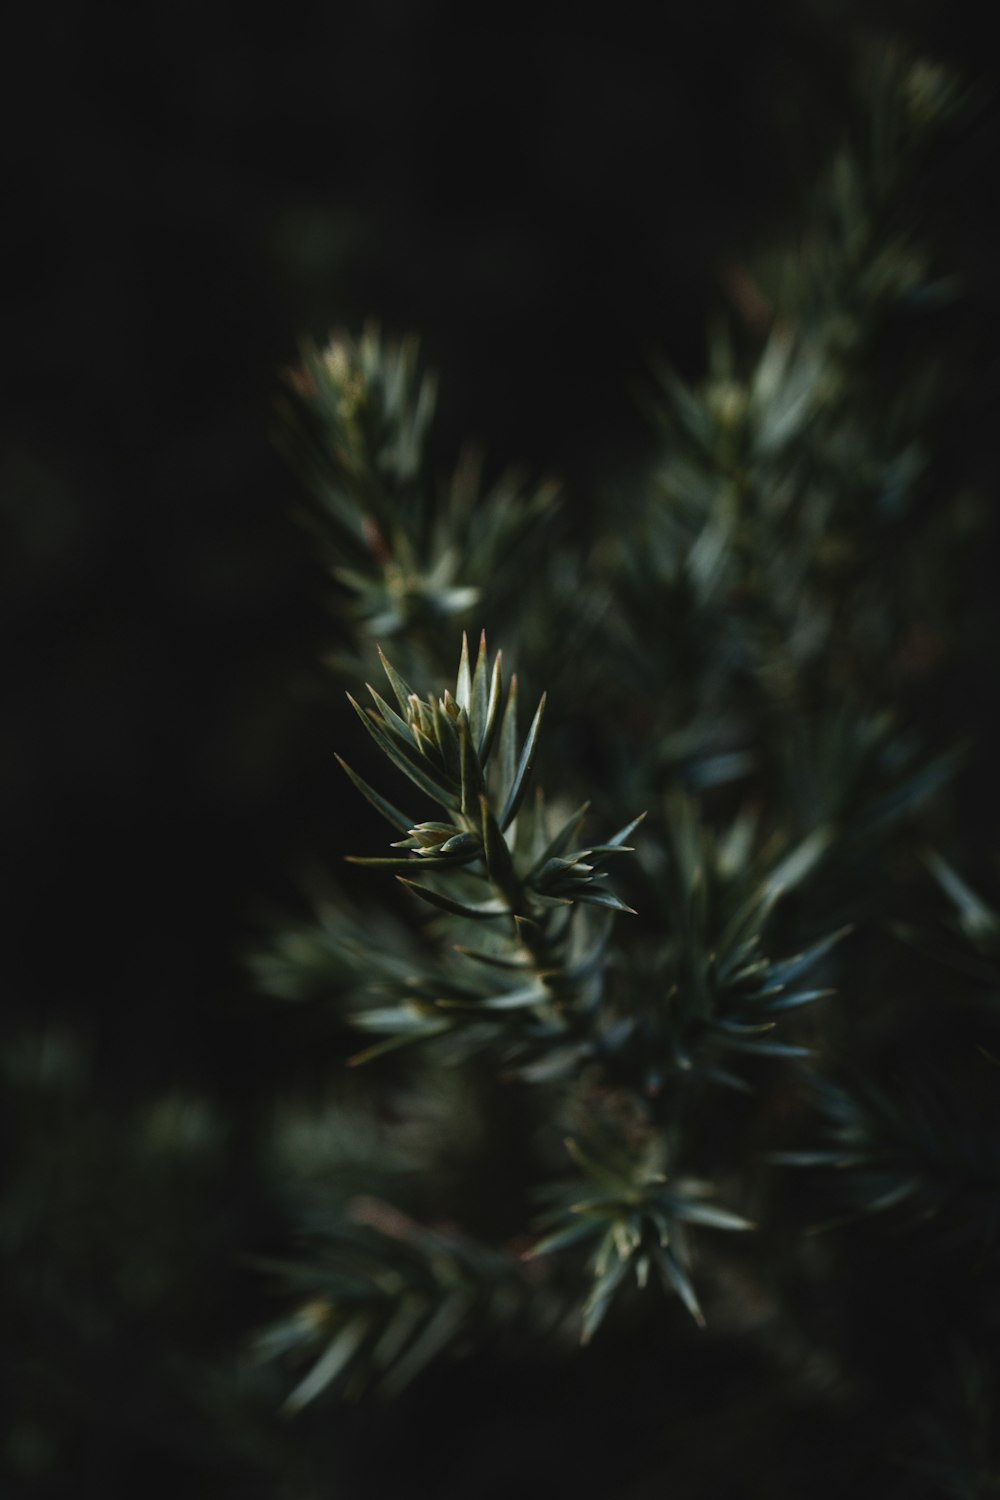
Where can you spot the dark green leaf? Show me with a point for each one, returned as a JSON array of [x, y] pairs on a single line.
[[456, 908], [401, 689], [391, 813], [406, 760], [571, 1235], [337, 1355], [391, 719], [498, 860], [788, 969], [463, 687], [520, 782], [592, 896], [479, 694], [562, 840], [676, 1278], [471, 774], [508, 739], [492, 714]]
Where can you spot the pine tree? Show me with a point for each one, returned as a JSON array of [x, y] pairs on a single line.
[[660, 1017]]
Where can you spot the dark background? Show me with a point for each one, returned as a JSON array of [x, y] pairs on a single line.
[[548, 202]]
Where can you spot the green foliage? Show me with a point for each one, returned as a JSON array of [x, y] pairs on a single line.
[[511, 884], [908, 1150], [753, 644], [639, 1219], [408, 552], [705, 994], [967, 943], [386, 1297]]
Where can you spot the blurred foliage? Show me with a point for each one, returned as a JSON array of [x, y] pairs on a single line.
[[750, 672], [236, 1264]]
